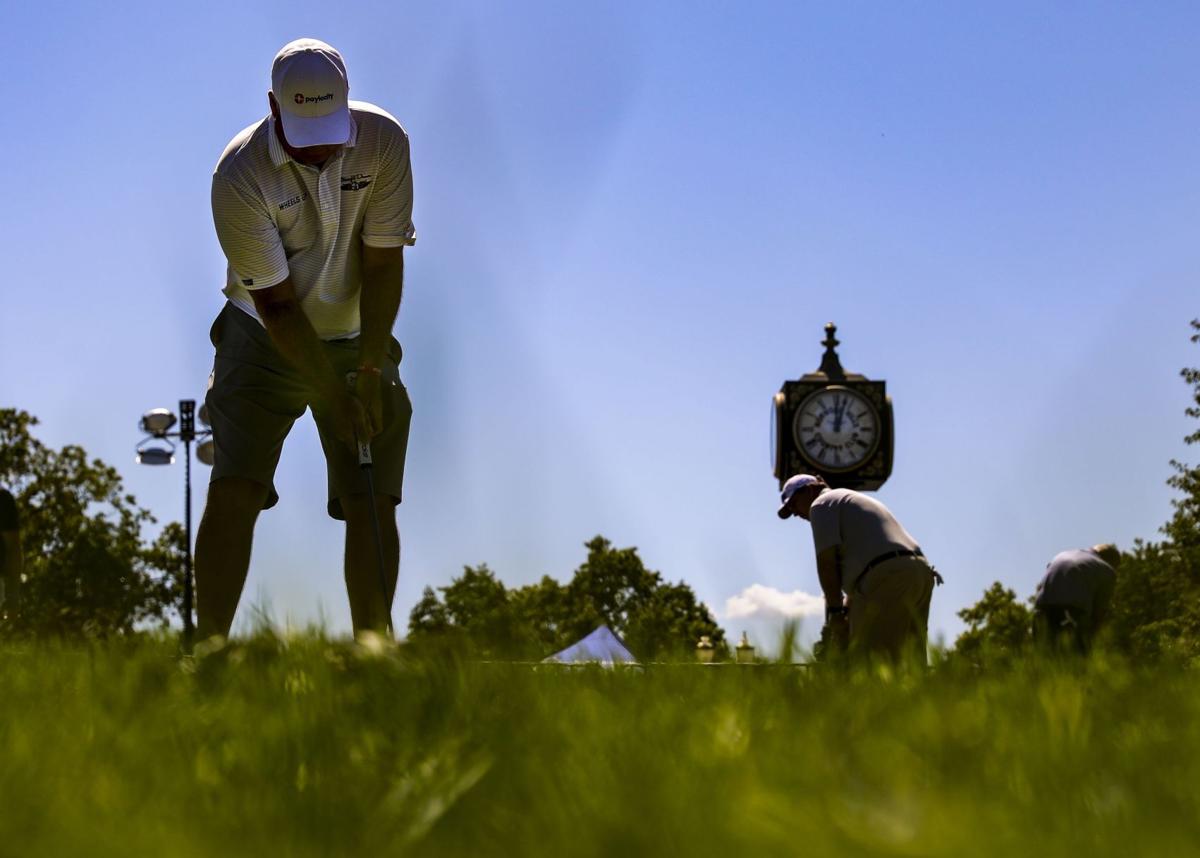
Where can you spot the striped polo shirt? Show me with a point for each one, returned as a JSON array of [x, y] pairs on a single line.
[[277, 218]]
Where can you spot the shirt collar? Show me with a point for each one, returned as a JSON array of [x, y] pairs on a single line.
[[279, 155]]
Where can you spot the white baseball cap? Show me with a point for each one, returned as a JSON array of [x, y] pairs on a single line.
[[309, 81], [793, 485]]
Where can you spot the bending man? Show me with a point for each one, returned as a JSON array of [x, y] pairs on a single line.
[[873, 573], [313, 209], [1073, 598]]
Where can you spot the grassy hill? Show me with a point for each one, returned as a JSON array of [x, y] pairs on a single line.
[[307, 747]]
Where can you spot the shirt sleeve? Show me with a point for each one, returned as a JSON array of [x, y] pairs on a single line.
[[387, 221], [9, 520], [248, 235], [824, 521]]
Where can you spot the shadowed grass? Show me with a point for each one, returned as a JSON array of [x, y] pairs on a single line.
[[304, 746]]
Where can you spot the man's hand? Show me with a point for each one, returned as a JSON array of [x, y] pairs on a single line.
[[368, 390], [346, 415], [838, 627], [294, 337]]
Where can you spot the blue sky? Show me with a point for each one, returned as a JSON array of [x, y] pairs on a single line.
[[634, 221]]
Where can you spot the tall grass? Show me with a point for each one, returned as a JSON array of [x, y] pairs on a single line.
[[307, 747]]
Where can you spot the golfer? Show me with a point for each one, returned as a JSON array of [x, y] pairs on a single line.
[[1073, 598], [11, 559], [313, 209], [876, 580]]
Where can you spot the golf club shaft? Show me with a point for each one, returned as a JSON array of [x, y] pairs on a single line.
[[367, 465], [366, 462], [383, 588]]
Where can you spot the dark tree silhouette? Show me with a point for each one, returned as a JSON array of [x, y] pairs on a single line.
[[87, 570], [657, 619]]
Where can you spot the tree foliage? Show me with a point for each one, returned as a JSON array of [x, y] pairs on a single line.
[[997, 625], [1183, 530], [1156, 603], [657, 619], [87, 570]]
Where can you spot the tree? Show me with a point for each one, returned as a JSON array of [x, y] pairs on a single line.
[[540, 610], [669, 622], [428, 616], [612, 587], [87, 570], [1183, 530], [997, 625], [1156, 603], [475, 610]]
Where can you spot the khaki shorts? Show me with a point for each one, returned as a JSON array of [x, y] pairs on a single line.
[[255, 396], [889, 610]]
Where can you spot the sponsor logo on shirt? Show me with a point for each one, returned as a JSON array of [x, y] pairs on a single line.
[[291, 201], [356, 182], [301, 98]]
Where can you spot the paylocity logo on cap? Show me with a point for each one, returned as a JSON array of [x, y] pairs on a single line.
[[301, 98]]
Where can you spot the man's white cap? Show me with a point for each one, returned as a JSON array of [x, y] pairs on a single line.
[[793, 485], [309, 81]]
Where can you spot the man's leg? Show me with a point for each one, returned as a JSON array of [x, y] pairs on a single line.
[[368, 608], [223, 551], [1056, 629], [254, 397]]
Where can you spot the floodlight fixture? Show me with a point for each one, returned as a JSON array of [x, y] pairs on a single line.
[[158, 449], [202, 414], [152, 455], [158, 421]]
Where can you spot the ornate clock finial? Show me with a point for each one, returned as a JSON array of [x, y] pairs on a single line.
[[830, 364]]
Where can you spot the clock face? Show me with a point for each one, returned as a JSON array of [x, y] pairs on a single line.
[[836, 429]]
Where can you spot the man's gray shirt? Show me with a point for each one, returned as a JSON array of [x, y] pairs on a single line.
[[1077, 579], [863, 527]]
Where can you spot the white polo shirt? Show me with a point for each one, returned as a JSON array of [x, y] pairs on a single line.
[[277, 218]]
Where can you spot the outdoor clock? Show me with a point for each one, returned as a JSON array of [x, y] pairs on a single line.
[[835, 424], [836, 429]]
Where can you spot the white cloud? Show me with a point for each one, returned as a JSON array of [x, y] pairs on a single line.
[[758, 600]]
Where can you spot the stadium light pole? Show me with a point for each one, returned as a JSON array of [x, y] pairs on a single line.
[[158, 448]]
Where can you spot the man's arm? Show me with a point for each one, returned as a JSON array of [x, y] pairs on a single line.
[[378, 303], [293, 335], [829, 573], [13, 567]]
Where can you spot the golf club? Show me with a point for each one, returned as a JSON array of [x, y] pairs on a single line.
[[366, 463]]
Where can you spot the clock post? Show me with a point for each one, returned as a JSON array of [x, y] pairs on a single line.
[[833, 423]]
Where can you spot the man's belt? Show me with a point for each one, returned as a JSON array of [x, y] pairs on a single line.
[[891, 555]]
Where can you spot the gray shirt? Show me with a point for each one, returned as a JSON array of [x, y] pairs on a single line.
[[1077, 579], [863, 527]]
